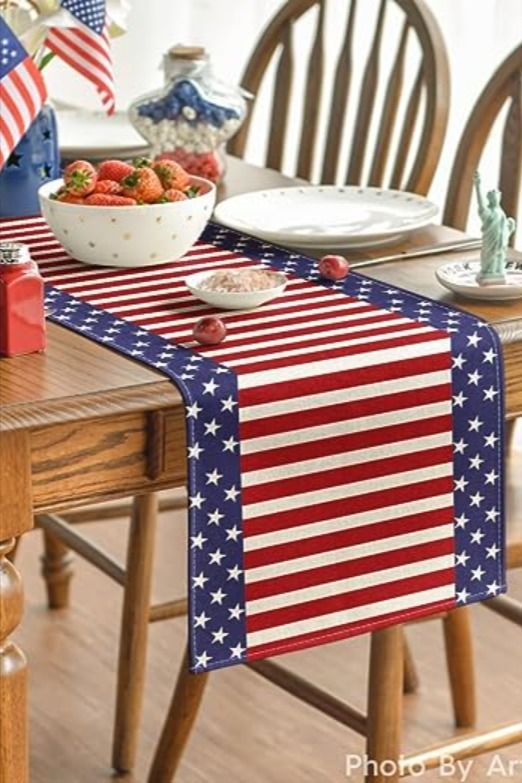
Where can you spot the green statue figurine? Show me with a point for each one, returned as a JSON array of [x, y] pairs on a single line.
[[496, 231]]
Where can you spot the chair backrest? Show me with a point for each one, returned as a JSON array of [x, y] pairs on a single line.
[[504, 87], [398, 88]]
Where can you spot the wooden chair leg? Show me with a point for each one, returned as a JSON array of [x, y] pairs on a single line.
[[134, 630], [57, 571], [11, 556], [411, 678], [459, 656], [178, 723], [385, 696]]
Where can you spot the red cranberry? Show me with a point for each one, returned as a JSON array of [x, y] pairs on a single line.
[[209, 330], [334, 267]]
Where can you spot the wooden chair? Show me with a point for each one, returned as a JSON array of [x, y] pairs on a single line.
[[404, 122], [382, 724], [504, 89]]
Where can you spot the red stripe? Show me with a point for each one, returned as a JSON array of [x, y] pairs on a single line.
[[347, 630], [303, 330], [342, 380], [342, 443], [350, 600], [346, 475], [82, 46], [342, 411], [339, 539], [351, 350], [7, 101], [23, 92], [352, 505], [277, 585], [316, 342]]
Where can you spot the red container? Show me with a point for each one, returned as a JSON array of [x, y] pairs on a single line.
[[22, 316]]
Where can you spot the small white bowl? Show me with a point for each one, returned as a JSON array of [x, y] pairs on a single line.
[[137, 236], [233, 300]]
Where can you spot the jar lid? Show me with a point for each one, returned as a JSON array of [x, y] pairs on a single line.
[[13, 253], [179, 52]]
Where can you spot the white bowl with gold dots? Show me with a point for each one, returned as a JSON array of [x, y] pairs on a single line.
[[136, 236]]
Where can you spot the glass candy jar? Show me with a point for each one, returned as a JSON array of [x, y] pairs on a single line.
[[193, 116]]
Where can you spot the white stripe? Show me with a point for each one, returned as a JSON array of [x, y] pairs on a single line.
[[375, 516], [276, 440], [23, 225], [287, 340], [161, 272], [64, 48], [326, 621], [15, 130], [340, 302], [341, 363], [309, 401], [368, 316], [331, 462], [32, 89], [376, 484], [18, 98], [328, 589], [266, 358]]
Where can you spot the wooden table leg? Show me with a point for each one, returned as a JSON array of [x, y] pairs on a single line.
[[385, 697], [16, 516], [458, 640], [56, 570], [134, 631], [13, 675], [178, 723]]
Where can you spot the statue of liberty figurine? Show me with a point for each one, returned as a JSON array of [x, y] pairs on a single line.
[[496, 231]]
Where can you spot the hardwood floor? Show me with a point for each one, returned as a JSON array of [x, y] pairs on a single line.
[[248, 731]]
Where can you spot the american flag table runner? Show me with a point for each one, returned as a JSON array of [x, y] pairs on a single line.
[[344, 443]]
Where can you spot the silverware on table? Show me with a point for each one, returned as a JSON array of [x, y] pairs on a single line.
[[420, 252]]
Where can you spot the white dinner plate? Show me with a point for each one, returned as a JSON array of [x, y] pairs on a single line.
[[96, 136], [461, 278], [327, 216]]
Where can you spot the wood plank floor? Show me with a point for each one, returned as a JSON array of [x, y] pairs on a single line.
[[248, 732]]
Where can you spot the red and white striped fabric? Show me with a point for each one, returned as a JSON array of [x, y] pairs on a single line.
[[86, 46], [346, 456], [22, 91]]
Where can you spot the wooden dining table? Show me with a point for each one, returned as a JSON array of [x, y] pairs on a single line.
[[81, 424]]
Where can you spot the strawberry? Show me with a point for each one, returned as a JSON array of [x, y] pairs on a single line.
[[109, 200], [143, 185], [80, 178], [140, 162], [114, 170], [171, 174], [67, 198], [173, 195], [108, 186]]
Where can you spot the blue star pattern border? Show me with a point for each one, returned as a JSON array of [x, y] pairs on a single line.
[[217, 622], [216, 591]]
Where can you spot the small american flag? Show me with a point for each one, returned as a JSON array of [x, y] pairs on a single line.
[[22, 91], [86, 47]]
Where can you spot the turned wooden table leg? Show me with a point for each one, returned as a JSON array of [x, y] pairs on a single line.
[[385, 688], [134, 631], [178, 723], [57, 571], [13, 675], [411, 678], [16, 516], [459, 656]]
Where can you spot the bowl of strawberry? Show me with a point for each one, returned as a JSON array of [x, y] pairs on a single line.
[[135, 214]]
